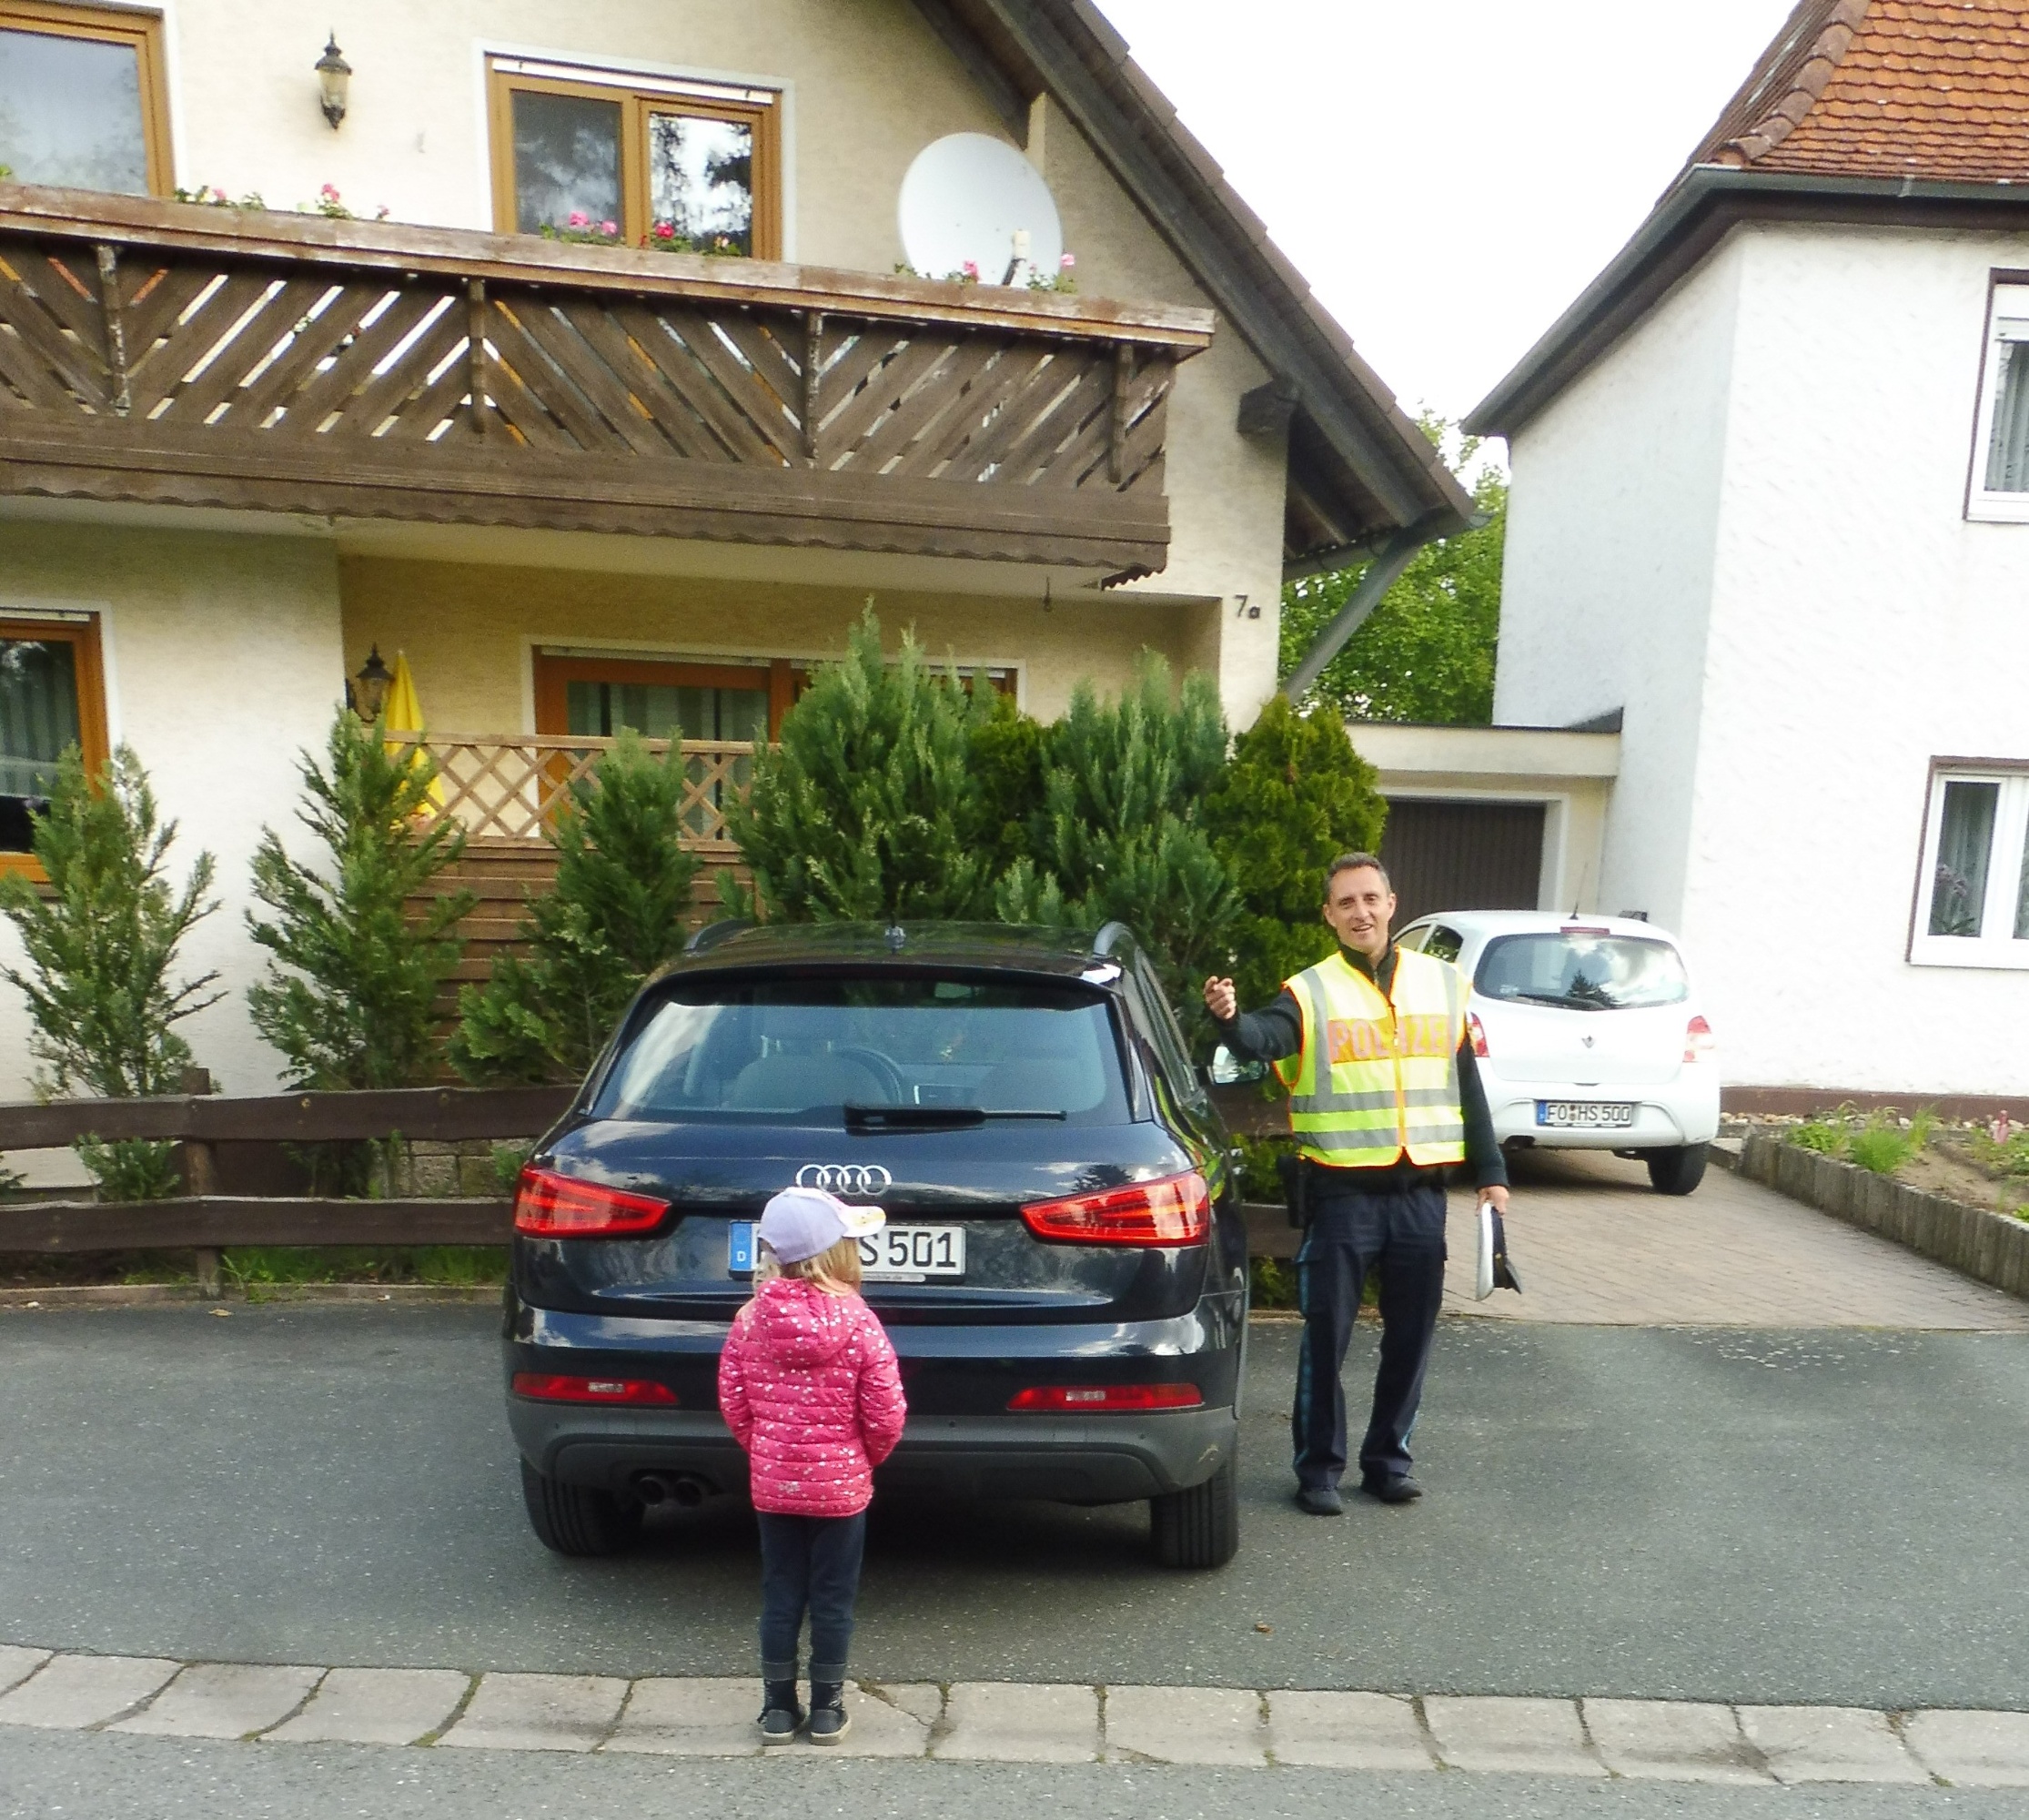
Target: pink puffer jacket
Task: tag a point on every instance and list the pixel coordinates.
(810, 1388)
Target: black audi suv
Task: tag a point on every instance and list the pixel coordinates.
(1064, 1269)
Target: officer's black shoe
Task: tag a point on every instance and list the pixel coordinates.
(1391, 1488)
(1320, 1501)
(781, 1716)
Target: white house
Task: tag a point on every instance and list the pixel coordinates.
(1770, 506)
(578, 477)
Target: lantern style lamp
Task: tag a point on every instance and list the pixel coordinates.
(374, 681)
(334, 77)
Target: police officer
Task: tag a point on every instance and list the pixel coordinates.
(1384, 1097)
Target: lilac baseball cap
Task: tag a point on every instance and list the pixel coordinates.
(799, 1223)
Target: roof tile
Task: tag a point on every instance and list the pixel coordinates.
(1932, 88)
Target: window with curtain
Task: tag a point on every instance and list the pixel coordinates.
(636, 159)
(81, 98)
(49, 701)
(1973, 896)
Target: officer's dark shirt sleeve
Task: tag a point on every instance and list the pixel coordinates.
(1483, 1158)
(1266, 1035)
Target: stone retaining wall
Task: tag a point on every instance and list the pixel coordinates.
(1992, 1246)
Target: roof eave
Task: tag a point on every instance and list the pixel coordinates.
(1085, 66)
(1692, 218)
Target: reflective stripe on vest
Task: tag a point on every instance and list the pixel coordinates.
(1377, 1076)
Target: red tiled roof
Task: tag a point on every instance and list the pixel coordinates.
(1925, 89)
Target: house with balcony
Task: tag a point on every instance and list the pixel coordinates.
(566, 352)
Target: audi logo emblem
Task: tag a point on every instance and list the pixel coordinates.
(845, 1179)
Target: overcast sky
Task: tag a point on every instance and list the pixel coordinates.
(1448, 174)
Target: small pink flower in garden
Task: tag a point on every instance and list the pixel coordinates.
(579, 219)
(217, 195)
(665, 231)
(971, 269)
(609, 227)
(1068, 260)
(330, 192)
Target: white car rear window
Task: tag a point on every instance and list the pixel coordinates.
(1582, 971)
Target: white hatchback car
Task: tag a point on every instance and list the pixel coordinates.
(1587, 1032)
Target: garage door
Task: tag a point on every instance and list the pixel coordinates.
(1450, 856)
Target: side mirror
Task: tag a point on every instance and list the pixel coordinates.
(1227, 1069)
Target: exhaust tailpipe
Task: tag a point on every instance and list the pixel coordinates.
(684, 1489)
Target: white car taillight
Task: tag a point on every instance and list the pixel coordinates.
(1477, 1032)
(1700, 1045)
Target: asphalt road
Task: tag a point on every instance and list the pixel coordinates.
(1828, 1516)
(53, 1775)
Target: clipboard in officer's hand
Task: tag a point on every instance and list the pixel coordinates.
(1495, 1271)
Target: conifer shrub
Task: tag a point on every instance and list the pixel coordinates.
(1295, 795)
(871, 807)
(101, 957)
(617, 914)
(1119, 836)
(350, 997)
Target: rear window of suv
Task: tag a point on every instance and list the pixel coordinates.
(751, 1050)
(1582, 971)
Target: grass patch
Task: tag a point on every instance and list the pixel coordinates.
(1880, 1143)
(253, 1267)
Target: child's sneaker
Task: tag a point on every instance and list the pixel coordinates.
(781, 1716)
(828, 1719)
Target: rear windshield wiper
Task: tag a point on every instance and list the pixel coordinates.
(929, 1118)
(1566, 1000)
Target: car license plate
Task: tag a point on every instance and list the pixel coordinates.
(1573, 1113)
(907, 1253)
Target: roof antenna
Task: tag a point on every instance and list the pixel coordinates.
(1580, 897)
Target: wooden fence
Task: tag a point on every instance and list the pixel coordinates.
(204, 1220)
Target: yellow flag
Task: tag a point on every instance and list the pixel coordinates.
(403, 713)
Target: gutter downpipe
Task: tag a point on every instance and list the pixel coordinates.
(1385, 571)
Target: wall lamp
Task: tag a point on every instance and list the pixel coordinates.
(334, 77)
(371, 695)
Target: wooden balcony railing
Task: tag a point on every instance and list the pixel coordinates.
(506, 787)
(172, 353)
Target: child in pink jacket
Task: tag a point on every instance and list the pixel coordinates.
(809, 1387)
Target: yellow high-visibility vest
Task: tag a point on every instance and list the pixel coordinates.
(1377, 1076)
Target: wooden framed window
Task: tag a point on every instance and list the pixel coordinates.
(51, 696)
(83, 102)
(648, 160)
(594, 697)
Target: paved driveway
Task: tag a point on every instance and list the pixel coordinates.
(1595, 1244)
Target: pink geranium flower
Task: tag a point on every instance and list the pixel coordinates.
(971, 269)
(1067, 261)
(609, 227)
(579, 219)
(665, 231)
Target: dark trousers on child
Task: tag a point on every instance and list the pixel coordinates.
(808, 1564)
(1397, 1228)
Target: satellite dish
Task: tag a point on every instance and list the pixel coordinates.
(972, 199)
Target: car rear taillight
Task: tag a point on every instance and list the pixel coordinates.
(1477, 1032)
(1698, 1041)
(550, 1205)
(544, 1388)
(1172, 1210)
(1057, 1399)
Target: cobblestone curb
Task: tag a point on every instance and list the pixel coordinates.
(1007, 1721)
(1989, 1247)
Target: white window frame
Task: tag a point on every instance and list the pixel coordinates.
(2007, 320)
(1996, 944)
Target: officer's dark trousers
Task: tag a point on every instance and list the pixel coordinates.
(1397, 1231)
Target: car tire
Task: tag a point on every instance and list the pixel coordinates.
(1677, 1171)
(1199, 1528)
(578, 1519)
